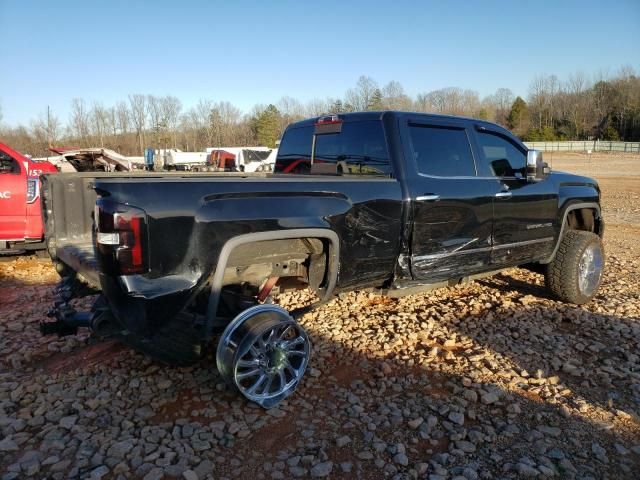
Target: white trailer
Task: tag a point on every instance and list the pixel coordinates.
(251, 159)
(176, 159)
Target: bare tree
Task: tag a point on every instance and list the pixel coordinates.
(99, 119)
(422, 103)
(501, 101)
(316, 107)
(171, 108)
(205, 127)
(79, 122)
(291, 110)
(138, 113)
(360, 96)
(46, 130)
(537, 97)
(123, 117)
(577, 103)
(607, 107)
(394, 98)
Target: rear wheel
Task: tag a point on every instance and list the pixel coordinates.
(575, 273)
(264, 353)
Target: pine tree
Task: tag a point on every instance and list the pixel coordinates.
(518, 119)
(266, 126)
(337, 107)
(376, 100)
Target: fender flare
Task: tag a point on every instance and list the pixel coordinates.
(232, 243)
(574, 206)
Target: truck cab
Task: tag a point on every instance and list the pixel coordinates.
(20, 217)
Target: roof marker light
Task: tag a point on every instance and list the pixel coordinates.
(328, 120)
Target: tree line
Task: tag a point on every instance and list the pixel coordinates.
(576, 108)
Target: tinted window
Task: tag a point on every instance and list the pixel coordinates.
(503, 157)
(8, 164)
(442, 151)
(358, 149)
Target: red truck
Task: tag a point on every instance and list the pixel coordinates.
(20, 217)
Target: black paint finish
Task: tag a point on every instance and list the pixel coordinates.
(386, 234)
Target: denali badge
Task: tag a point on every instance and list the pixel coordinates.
(538, 225)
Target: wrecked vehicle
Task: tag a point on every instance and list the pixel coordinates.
(96, 160)
(392, 201)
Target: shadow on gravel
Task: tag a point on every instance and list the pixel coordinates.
(446, 423)
(397, 389)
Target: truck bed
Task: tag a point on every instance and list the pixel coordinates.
(69, 201)
(69, 233)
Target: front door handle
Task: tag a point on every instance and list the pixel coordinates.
(428, 198)
(504, 195)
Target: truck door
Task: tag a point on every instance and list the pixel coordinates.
(524, 212)
(13, 200)
(451, 207)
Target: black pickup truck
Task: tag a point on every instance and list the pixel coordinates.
(393, 201)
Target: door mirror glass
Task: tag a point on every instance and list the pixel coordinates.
(537, 169)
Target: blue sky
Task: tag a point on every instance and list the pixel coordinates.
(249, 52)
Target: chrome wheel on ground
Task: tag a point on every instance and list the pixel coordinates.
(264, 353)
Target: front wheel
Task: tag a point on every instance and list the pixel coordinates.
(575, 273)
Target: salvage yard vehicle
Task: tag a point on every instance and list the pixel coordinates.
(392, 201)
(20, 212)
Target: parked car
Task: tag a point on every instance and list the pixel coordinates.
(392, 201)
(20, 212)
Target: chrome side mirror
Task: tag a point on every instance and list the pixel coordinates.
(537, 169)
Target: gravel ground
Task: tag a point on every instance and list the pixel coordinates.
(491, 379)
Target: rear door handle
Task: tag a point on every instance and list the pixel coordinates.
(428, 198)
(504, 195)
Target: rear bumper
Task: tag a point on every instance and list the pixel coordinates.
(140, 315)
(16, 246)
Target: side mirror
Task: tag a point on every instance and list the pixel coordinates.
(537, 169)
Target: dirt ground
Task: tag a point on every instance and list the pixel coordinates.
(493, 379)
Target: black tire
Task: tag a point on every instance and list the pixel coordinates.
(562, 275)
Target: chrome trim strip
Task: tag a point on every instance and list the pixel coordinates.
(427, 198)
(503, 195)
(525, 242)
(436, 256)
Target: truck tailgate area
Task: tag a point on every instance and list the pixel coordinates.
(68, 206)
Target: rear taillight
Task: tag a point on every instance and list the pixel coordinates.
(33, 189)
(121, 236)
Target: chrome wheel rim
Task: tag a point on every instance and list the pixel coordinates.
(264, 353)
(273, 365)
(590, 270)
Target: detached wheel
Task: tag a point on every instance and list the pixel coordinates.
(264, 352)
(575, 273)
